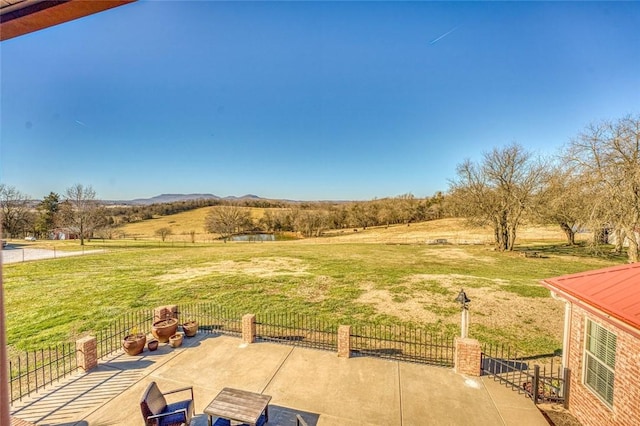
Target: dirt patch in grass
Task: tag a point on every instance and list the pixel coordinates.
(259, 267)
(385, 302)
(430, 298)
(453, 253)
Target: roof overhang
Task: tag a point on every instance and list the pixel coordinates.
(612, 294)
(19, 17)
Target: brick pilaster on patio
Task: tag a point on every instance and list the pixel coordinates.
(165, 312)
(344, 341)
(468, 356)
(87, 353)
(248, 328)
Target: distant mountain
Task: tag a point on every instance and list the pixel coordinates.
(170, 198)
(244, 197)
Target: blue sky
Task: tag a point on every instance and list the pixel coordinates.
(305, 100)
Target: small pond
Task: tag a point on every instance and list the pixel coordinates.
(254, 237)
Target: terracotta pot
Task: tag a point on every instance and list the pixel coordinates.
(152, 344)
(133, 344)
(176, 340)
(190, 328)
(164, 329)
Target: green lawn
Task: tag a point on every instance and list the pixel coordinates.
(57, 300)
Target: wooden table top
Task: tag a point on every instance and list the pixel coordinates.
(236, 404)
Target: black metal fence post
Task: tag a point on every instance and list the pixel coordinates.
(535, 384)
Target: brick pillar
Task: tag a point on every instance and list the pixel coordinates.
(249, 328)
(165, 312)
(468, 356)
(87, 353)
(344, 341)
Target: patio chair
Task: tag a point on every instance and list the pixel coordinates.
(156, 411)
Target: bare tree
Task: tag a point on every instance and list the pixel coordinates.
(15, 210)
(227, 220)
(82, 213)
(498, 191)
(163, 233)
(607, 156)
(311, 222)
(562, 201)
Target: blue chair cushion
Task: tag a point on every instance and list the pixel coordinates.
(177, 418)
(222, 422)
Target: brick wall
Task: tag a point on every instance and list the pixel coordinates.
(583, 403)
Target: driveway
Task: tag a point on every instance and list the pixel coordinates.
(13, 254)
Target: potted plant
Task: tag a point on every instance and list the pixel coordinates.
(190, 327)
(176, 340)
(133, 343)
(164, 329)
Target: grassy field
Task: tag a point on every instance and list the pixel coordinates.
(181, 225)
(337, 279)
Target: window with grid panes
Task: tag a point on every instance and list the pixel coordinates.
(600, 361)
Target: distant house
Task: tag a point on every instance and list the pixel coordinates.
(612, 238)
(602, 343)
(63, 234)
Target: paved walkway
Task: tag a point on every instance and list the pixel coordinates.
(324, 389)
(13, 254)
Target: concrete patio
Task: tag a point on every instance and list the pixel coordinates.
(323, 388)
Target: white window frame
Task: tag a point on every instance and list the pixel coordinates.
(603, 365)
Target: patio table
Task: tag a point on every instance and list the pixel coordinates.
(238, 405)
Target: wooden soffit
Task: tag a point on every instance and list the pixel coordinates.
(19, 17)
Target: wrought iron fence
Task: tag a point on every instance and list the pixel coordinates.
(403, 343)
(298, 330)
(544, 381)
(34, 370)
(110, 338)
(212, 318)
(31, 371)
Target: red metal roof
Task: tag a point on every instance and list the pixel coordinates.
(614, 290)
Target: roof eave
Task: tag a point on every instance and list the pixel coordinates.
(33, 15)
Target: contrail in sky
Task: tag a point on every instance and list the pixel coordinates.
(443, 35)
(81, 123)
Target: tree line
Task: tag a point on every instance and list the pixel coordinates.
(311, 219)
(81, 214)
(592, 184)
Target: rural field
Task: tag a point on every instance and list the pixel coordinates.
(385, 276)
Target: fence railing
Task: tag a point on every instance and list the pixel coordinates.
(213, 318)
(34, 370)
(298, 330)
(110, 338)
(404, 344)
(541, 378)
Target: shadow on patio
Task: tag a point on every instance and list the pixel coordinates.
(323, 388)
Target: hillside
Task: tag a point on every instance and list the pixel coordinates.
(181, 224)
(451, 231)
